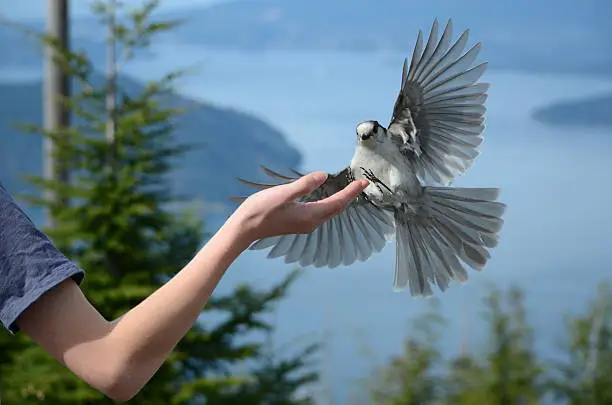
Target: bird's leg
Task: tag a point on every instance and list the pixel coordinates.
(368, 174)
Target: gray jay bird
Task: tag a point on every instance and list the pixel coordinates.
(434, 136)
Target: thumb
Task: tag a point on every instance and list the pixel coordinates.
(306, 184)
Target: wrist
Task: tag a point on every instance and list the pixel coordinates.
(223, 248)
(237, 233)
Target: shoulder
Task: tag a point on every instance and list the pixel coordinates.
(30, 264)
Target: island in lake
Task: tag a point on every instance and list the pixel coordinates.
(587, 112)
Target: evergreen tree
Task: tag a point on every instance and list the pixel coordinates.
(506, 373)
(126, 228)
(413, 377)
(509, 372)
(512, 363)
(584, 377)
(466, 382)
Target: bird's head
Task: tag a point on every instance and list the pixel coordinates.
(368, 132)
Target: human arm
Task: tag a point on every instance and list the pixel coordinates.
(118, 357)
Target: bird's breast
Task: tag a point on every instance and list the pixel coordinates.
(370, 159)
(388, 165)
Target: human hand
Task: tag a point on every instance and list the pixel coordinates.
(275, 211)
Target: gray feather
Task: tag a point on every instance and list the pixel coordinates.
(440, 96)
(460, 226)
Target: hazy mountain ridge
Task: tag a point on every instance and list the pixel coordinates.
(542, 36)
(586, 112)
(232, 144)
(536, 36)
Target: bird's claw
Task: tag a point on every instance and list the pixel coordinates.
(369, 175)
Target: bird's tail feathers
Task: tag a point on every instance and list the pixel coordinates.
(454, 225)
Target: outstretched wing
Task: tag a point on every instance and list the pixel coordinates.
(439, 94)
(355, 234)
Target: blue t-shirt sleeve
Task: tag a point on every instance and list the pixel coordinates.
(30, 264)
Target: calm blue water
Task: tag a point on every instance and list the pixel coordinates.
(556, 238)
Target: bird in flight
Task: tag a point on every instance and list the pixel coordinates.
(434, 136)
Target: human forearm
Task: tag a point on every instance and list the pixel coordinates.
(148, 333)
(119, 357)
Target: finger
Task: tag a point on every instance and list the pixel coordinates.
(305, 185)
(337, 202)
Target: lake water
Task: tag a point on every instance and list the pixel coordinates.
(555, 241)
